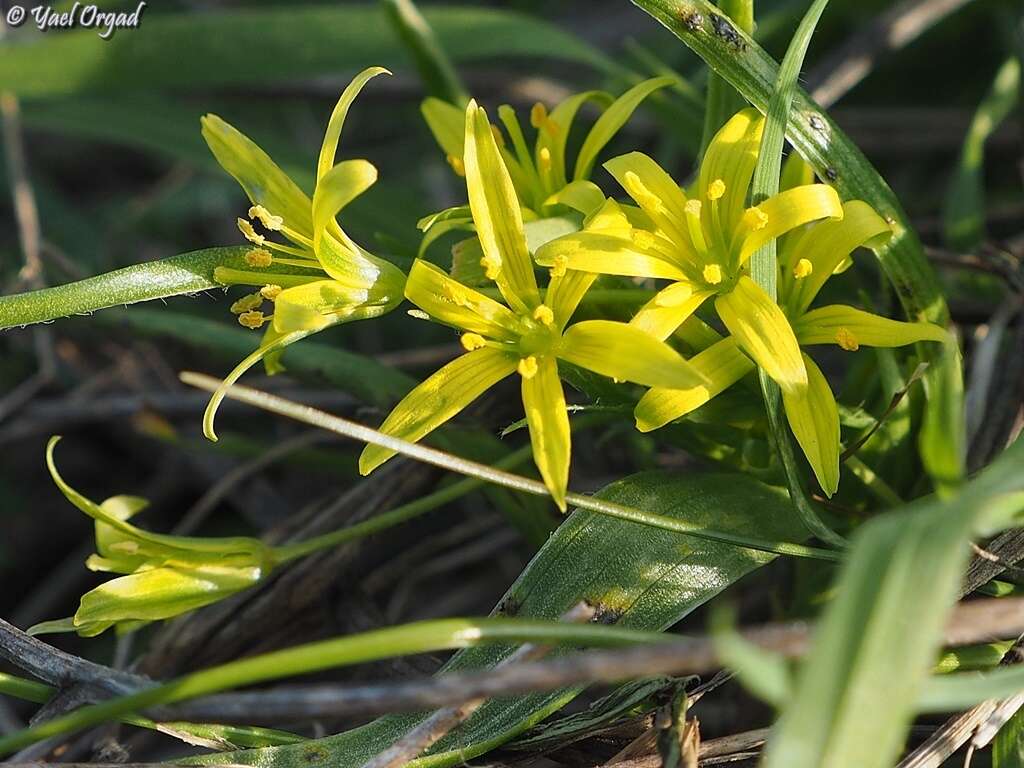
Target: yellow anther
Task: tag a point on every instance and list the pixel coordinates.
(270, 292)
(639, 192)
(527, 367)
(457, 165)
(713, 274)
(803, 269)
(716, 189)
(559, 266)
(491, 268)
(756, 218)
(692, 207)
(258, 257)
(266, 218)
(543, 314)
(498, 138)
(472, 341)
(247, 303)
(846, 340)
(253, 319)
(544, 157)
(250, 234)
(538, 115)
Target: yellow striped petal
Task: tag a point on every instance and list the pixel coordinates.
(612, 120)
(825, 246)
(447, 123)
(451, 302)
(730, 158)
(438, 399)
(548, 420)
(496, 213)
(722, 364)
(332, 135)
(814, 419)
(339, 186)
(763, 332)
(606, 255)
(626, 353)
(654, 190)
(789, 210)
(583, 196)
(564, 294)
(553, 134)
(669, 309)
(851, 328)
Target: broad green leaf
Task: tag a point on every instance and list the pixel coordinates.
(1008, 746)
(268, 45)
(857, 689)
(637, 576)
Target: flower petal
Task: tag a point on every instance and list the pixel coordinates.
(730, 157)
(627, 353)
(669, 309)
(448, 124)
(763, 332)
(825, 246)
(338, 187)
(548, 420)
(850, 327)
(332, 135)
(451, 302)
(553, 134)
(565, 292)
(606, 255)
(814, 418)
(263, 181)
(655, 191)
(496, 213)
(583, 196)
(722, 364)
(438, 399)
(789, 210)
(612, 120)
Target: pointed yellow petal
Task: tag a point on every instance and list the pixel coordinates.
(583, 196)
(814, 419)
(612, 120)
(448, 123)
(722, 364)
(763, 332)
(564, 294)
(789, 210)
(730, 158)
(548, 420)
(553, 134)
(626, 353)
(339, 186)
(606, 255)
(669, 309)
(496, 213)
(451, 302)
(332, 135)
(825, 246)
(850, 328)
(438, 399)
(655, 191)
(263, 181)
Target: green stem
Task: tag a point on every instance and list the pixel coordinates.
(395, 516)
(435, 68)
(873, 482)
(453, 463)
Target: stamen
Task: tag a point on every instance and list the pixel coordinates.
(457, 165)
(639, 192)
(713, 274)
(266, 218)
(755, 218)
(472, 341)
(258, 257)
(250, 234)
(247, 303)
(559, 266)
(544, 158)
(544, 315)
(538, 114)
(694, 226)
(254, 319)
(527, 367)
(716, 189)
(270, 292)
(846, 339)
(803, 269)
(491, 268)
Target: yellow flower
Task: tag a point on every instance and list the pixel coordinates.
(807, 259)
(702, 244)
(526, 333)
(541, 177)
(320, 276)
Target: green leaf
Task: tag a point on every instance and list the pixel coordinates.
(859, 686)
(637, 576)
(722, 100)
(268, 45)
(1008, 746)
(436, 70)
(943, 438)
